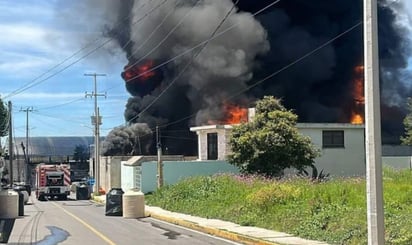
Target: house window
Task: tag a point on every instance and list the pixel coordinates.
(212, 146)
(333, 139)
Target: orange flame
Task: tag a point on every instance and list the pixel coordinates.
(142, 72)
(235, 114)
(356, 119)
(358, 95)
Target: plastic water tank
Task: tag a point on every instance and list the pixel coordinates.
(9, 203)
(114, 206)
(133, 204)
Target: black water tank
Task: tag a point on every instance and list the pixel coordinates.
(82, 192)
(114, 204)
(21, 202)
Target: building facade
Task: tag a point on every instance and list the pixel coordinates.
(342, 145)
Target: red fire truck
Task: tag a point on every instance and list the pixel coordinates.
(52, 180)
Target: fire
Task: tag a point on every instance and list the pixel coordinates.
(142, 72)
(358, 90)
(358, 96)
(232, 115)
(356, 119)
(235, 114)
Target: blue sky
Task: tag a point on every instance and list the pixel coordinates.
(35, 36)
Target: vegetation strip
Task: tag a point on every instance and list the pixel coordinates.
(329, 209)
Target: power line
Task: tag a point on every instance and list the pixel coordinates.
(187, 64)
(34, 83)
(278, 71)
(164, 39)
(62, 104)
(200, 44)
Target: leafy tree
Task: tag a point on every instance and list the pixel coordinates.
(407, 122)
(4, 119)
(270, 143)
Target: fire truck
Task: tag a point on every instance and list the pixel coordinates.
(52, 181)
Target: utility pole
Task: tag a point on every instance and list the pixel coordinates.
(10, 144)
(26, 154)
(96, 121)
(159, 159)
(373, 143)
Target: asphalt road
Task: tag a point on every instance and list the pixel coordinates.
(84, 222)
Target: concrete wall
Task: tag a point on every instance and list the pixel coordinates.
(110, 171)
(397, 162)
(347, 161)
(222, 131)
(176, 171)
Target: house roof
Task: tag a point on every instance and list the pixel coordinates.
(207, 127)
(299, 125)
(329, 125)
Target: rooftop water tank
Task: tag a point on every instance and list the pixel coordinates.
(133, 204)
(9, 203)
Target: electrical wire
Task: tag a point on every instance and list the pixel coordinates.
(62, 104)
(187, 64)
(152, 33)
(34, 83)
(199, 44)
(164, 39)
(278, 71)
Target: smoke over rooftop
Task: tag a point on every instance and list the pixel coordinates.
(319, 88)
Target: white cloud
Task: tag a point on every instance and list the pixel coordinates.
(403, 15)
(17, 64)
(41, 9)
(23, 35)
(35, 37)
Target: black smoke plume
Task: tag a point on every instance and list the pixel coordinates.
(134, 139)
(319, 88)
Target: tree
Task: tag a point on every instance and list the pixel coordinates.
(4, 119)
(407, 122)
(270, 143)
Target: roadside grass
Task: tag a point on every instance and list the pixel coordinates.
(333, 211)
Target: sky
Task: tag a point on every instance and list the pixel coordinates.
(35, 37)
(39, 46)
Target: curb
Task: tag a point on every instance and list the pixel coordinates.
(211, 231)
(208, 230)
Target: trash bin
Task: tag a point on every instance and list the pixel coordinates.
(82, 192)
(21, 201)
(114, 204)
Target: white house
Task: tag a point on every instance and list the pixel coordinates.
(212, 141)
(342, 145)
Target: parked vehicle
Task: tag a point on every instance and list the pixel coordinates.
(52, 181)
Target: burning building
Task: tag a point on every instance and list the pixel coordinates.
(177, 79)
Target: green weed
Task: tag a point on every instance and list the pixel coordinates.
(333, 211)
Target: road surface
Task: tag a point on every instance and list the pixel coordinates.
(84, 222)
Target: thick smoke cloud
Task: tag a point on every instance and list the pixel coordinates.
(134, 139)
(221, 69)
(319, 88)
